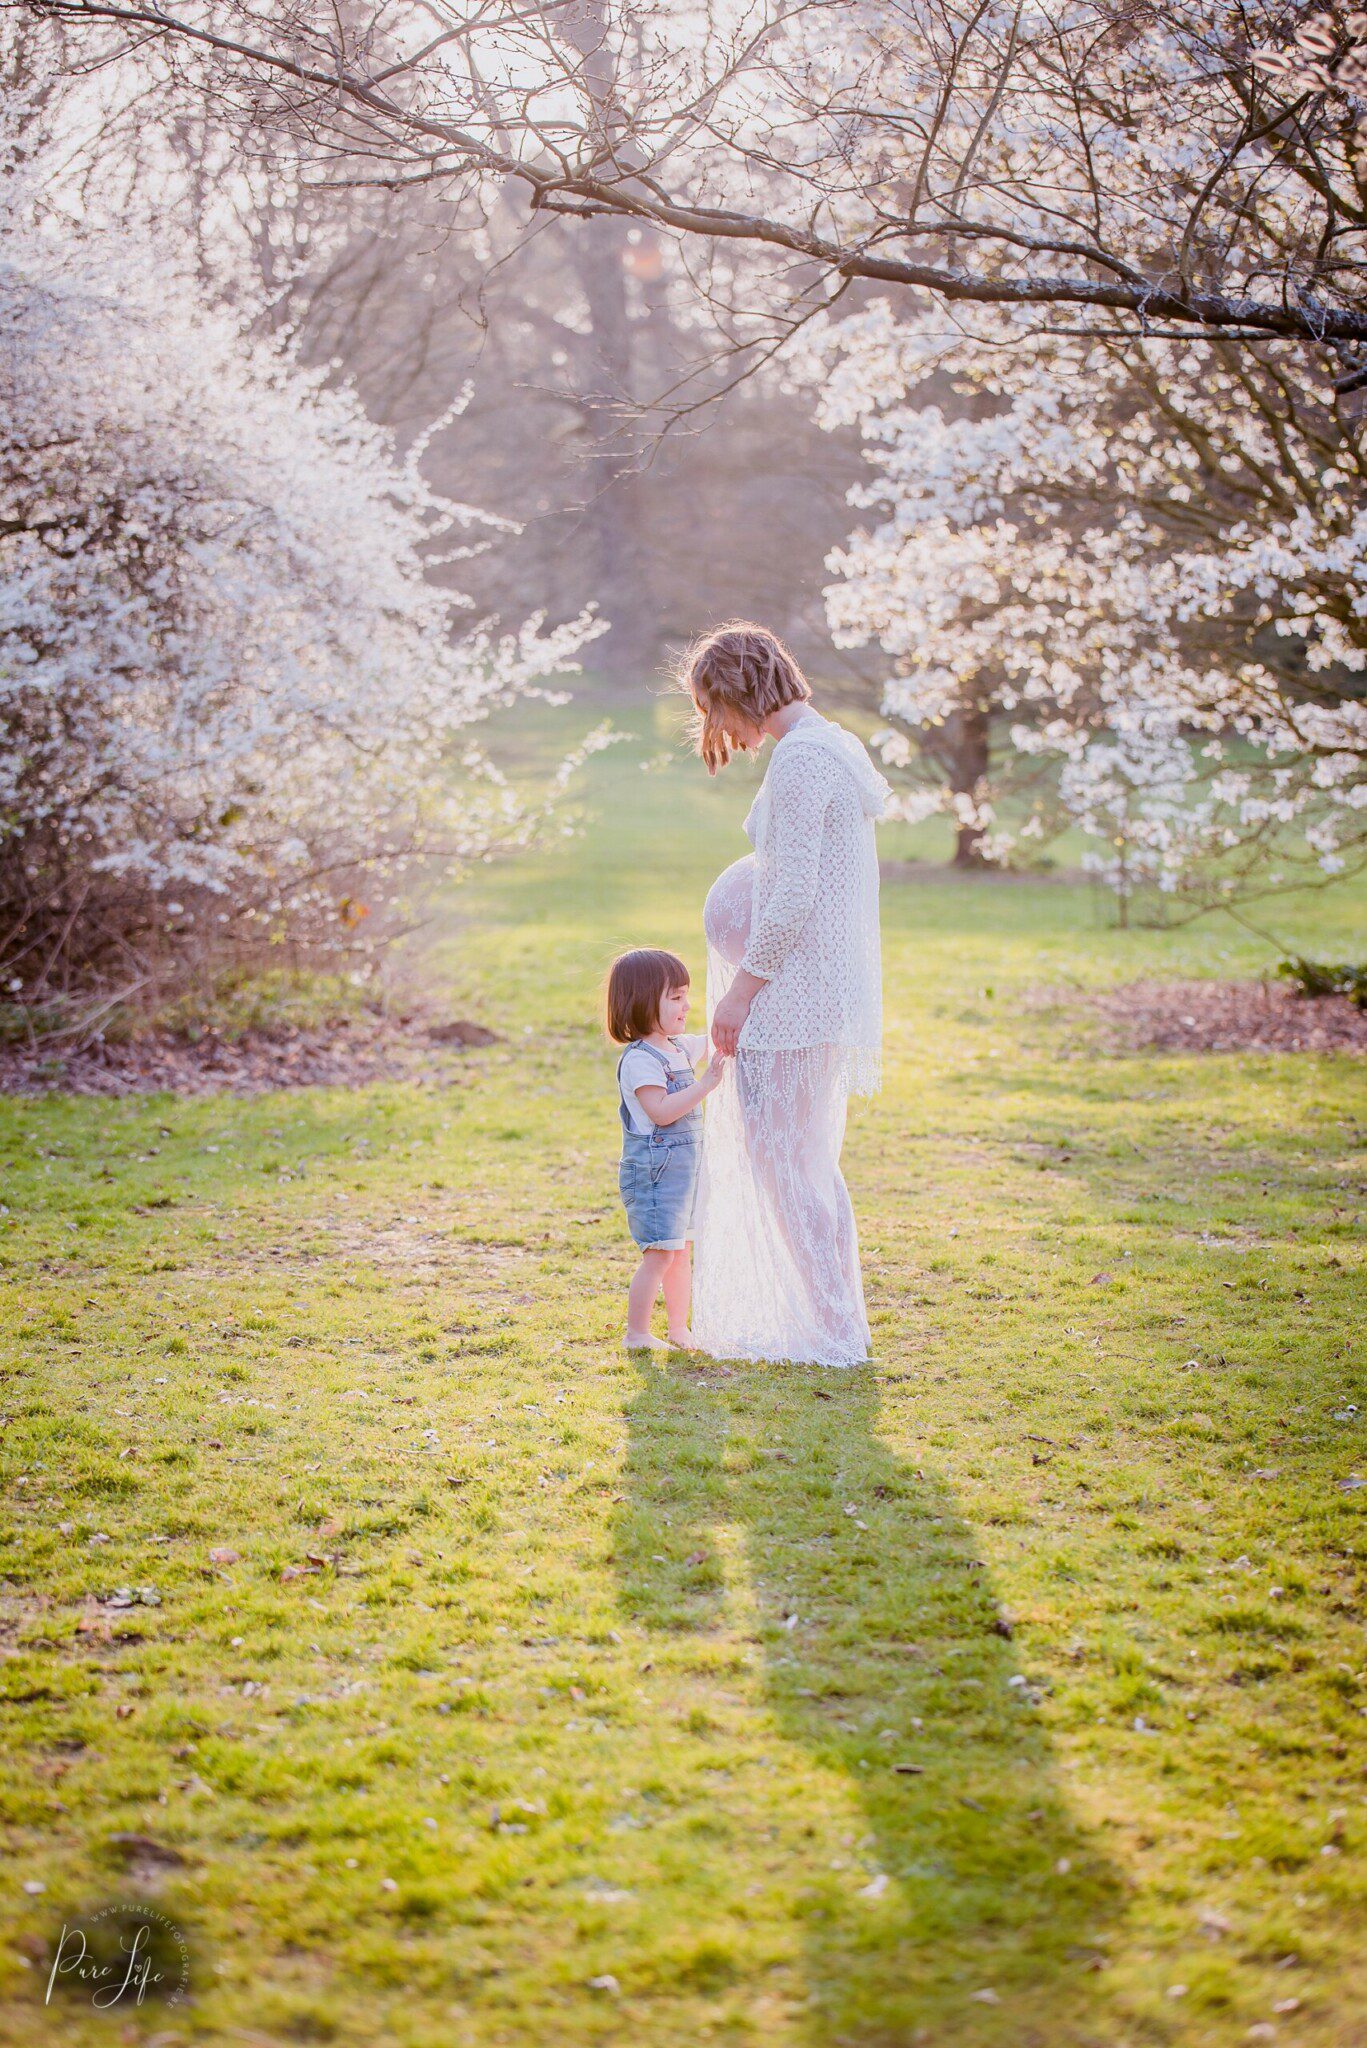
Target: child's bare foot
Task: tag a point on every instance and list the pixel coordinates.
(682, 1340)
(641, 1340)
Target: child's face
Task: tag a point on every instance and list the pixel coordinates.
(674, 1011)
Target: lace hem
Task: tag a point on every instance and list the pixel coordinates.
(852, 1069)
(777, 1250)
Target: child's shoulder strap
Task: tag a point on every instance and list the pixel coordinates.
(639, 1045)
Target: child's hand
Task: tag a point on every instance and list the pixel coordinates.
(714, 1071)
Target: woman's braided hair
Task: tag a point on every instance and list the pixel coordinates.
(736, 674)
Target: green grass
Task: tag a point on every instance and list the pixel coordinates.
(614, 1666)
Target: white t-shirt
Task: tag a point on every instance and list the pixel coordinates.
(641, 1069)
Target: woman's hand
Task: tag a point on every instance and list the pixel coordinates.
(728, 1019)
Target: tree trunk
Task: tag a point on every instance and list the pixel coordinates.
(963, 745)
(613, 494)
(614, 500)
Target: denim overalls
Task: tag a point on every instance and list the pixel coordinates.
(659, 1171)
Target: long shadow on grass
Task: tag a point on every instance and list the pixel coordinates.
(884, 1658)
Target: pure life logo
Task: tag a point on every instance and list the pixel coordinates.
(118, 1957)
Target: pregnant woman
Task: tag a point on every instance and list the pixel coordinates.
(794, 991)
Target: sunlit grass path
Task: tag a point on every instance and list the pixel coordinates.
(1010, 1692)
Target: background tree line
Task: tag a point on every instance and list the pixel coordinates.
(634, 294)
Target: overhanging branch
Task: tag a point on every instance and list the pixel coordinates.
(430, 147)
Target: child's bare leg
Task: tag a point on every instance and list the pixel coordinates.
(678, 1289)
(645, 1285)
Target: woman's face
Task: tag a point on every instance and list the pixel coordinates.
(742, 732)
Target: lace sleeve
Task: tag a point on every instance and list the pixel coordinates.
(801, 784)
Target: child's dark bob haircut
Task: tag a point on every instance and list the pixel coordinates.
(637, 984)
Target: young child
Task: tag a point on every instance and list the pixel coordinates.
(660, 1105)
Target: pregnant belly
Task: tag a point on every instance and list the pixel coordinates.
(726, 913)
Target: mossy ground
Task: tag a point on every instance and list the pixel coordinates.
(692, 1679)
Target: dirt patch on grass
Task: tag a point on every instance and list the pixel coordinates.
(1227, 1016)
(346, 1053)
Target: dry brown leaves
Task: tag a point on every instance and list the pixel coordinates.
(346, 1054)
(1227, 1016)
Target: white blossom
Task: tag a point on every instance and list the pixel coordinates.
(1107, 546)
(235, 676)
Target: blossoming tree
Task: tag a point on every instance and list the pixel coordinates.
(1128, 243)
(1094, 159)
(236, 676)
(1103, 551)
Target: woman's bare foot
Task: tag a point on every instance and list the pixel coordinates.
(641, 1340)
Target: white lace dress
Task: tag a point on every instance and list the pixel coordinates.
(777, 1254)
